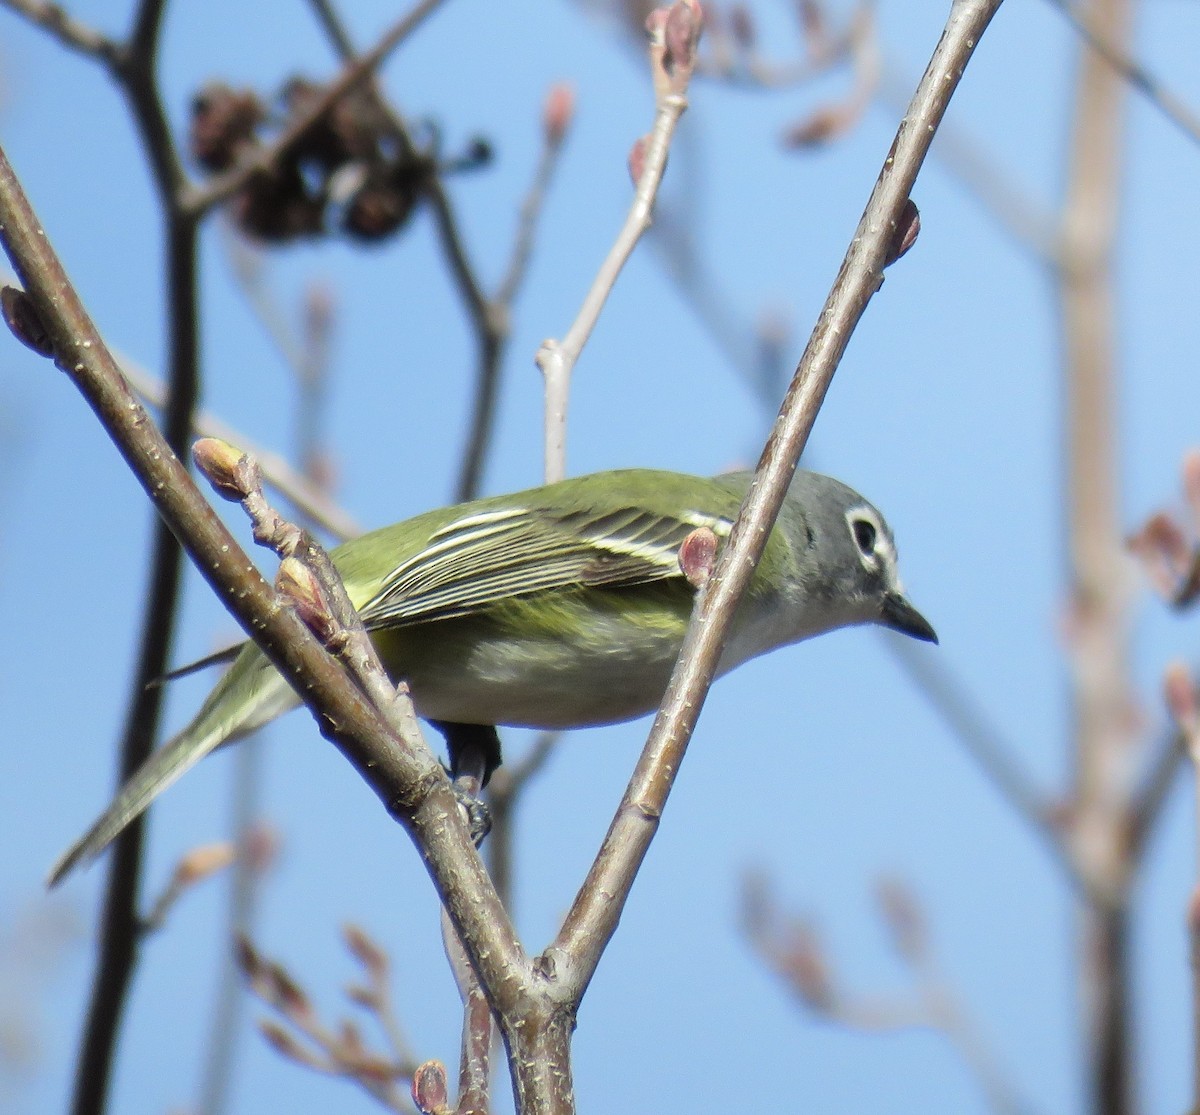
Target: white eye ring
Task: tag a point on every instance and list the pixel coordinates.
(867, 534)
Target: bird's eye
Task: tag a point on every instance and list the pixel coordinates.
(864, 535)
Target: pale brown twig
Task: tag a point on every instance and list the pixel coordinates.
(305, 496)
(68, 30)
(1098, 35)
(489, 315)
(792, 949)
(495, 314)
(1180, 693)
(734, 56)
(503, 794)
(407, 778)
(339, 1052)
(557, 358)
(597, 908)
(1100, 589)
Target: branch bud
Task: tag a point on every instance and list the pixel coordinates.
(366, 951)
(558, 110)
(823, 124)
(200, 863)
(637, 159)
(231, 472)
(302, 590)
(741, 26)
(681, 37)
(429, 1089)
(697, 556)
(22, 318)
(904, 918)
(1191, 482)
(905, 235)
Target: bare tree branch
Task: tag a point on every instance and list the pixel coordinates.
(1098, 35)
(597, 908)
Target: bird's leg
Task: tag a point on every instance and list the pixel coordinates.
(474, 751)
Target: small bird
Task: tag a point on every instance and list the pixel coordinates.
(559, 607)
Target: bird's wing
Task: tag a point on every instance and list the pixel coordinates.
(488, 556)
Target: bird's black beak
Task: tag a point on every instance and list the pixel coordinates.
(900, 615)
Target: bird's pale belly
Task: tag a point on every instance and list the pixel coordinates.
(565, 672)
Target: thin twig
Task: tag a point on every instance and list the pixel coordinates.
(1180, 693)
(597, 908)
(982, 741)
(306, 497)
(1151, 795)
(493, 325)
(988, 180)
(557, 358)
(69, 31)
(489, 316)
(405, 775)
(1104, 43)
(503, 793)
(474, 1072)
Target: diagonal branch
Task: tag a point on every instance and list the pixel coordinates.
(593, 916)
(404, 774)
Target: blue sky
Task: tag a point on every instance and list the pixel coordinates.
(819, 766)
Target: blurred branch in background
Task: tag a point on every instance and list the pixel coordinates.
(489, 316)
(1094, 28)
(672, 48)
(132, 65)
(791, 947)
(1104, 732)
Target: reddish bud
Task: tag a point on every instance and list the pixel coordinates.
(681, 35)
(558, 110)
(282, 1041)
(350, 1041)
(260, 847)
(22, 318)
(319, 306)
(824, 123)
(302, 589)
(1164, 552)
(1180, 696)
(1191, 482)
(697, 556)
(637, 159)
(905, 235)
(429, 1089)
(812, 19)
(366, 951)
(903, 915)
(232, 473)
(271, 982)
(364, 997)
(200, 863)
(1193, 912)
(805, 966)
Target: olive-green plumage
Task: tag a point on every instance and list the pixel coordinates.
(558, 607)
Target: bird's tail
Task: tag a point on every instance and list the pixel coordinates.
(250, 694)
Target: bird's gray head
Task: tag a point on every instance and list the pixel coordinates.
(851, 556)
